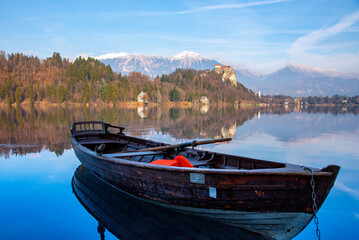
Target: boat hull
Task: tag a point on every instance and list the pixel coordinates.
(278, 225)
(111, 205)
(230, 190)
(129, 217)
(247, 193)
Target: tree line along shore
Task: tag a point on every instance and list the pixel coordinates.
(27, 79)
(56, 80)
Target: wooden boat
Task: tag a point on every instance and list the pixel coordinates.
(128, 217)
(273, 200)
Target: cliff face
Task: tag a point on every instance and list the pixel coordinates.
(227, 73)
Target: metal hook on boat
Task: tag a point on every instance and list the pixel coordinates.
(100, 149)
(193, 144)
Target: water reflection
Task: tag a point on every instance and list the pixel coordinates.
(31, 129)
(204, 109)
(128, 217)
(314, 136)
(142, 111)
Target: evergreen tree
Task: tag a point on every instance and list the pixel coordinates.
(215, 98)
(56, 59)
(174, 95)
(136, 92)
(50, 92)
(18, 93)
(61, 93)
(9, 85)
(86, 94)
(2, 91)
(31, 94)
(39, 94)
(114, 95)
(101, 87)
(109, 73)
(107, 93)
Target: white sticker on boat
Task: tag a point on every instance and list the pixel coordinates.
(197, 178)
(213, 192)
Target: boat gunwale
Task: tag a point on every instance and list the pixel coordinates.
(289, 169)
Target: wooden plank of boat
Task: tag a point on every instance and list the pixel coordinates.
(129, 154)
(187, 144)
(128, 217)
(227, 184)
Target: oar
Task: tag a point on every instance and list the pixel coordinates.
(182, 145)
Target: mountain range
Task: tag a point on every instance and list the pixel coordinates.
(156, 65)
(293, 80)
(296, 82)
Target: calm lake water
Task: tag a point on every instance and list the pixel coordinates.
(37, 162)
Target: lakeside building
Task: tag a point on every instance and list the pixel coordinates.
(142, 97)
(204, 100)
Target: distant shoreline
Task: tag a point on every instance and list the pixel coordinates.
(181, 104)
(26, 102)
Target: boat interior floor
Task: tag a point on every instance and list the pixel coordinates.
(125, 147)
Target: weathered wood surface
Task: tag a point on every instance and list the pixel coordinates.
(236, 191)
(182, 145)
(128, 217)
(237, 183)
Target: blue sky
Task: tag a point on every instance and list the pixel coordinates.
(261, 35)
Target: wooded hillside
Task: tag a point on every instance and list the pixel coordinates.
(56, 79)
(190, 85)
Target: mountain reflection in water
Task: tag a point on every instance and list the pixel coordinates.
(36, 186)
(128, 217)
(32, 129)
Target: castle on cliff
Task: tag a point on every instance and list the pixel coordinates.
(218, 66)
(227, 73)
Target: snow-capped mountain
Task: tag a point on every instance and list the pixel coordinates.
(156, 65)
(293, 80)
(111, 56)
(187, 55)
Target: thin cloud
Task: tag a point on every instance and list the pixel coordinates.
(239, 5)
(311, 40)
(111, 55)
(32, 52)
(213, 7)
(83, 55)
(325, 71)
(353, 192)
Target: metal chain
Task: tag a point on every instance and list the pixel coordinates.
(314, 198)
